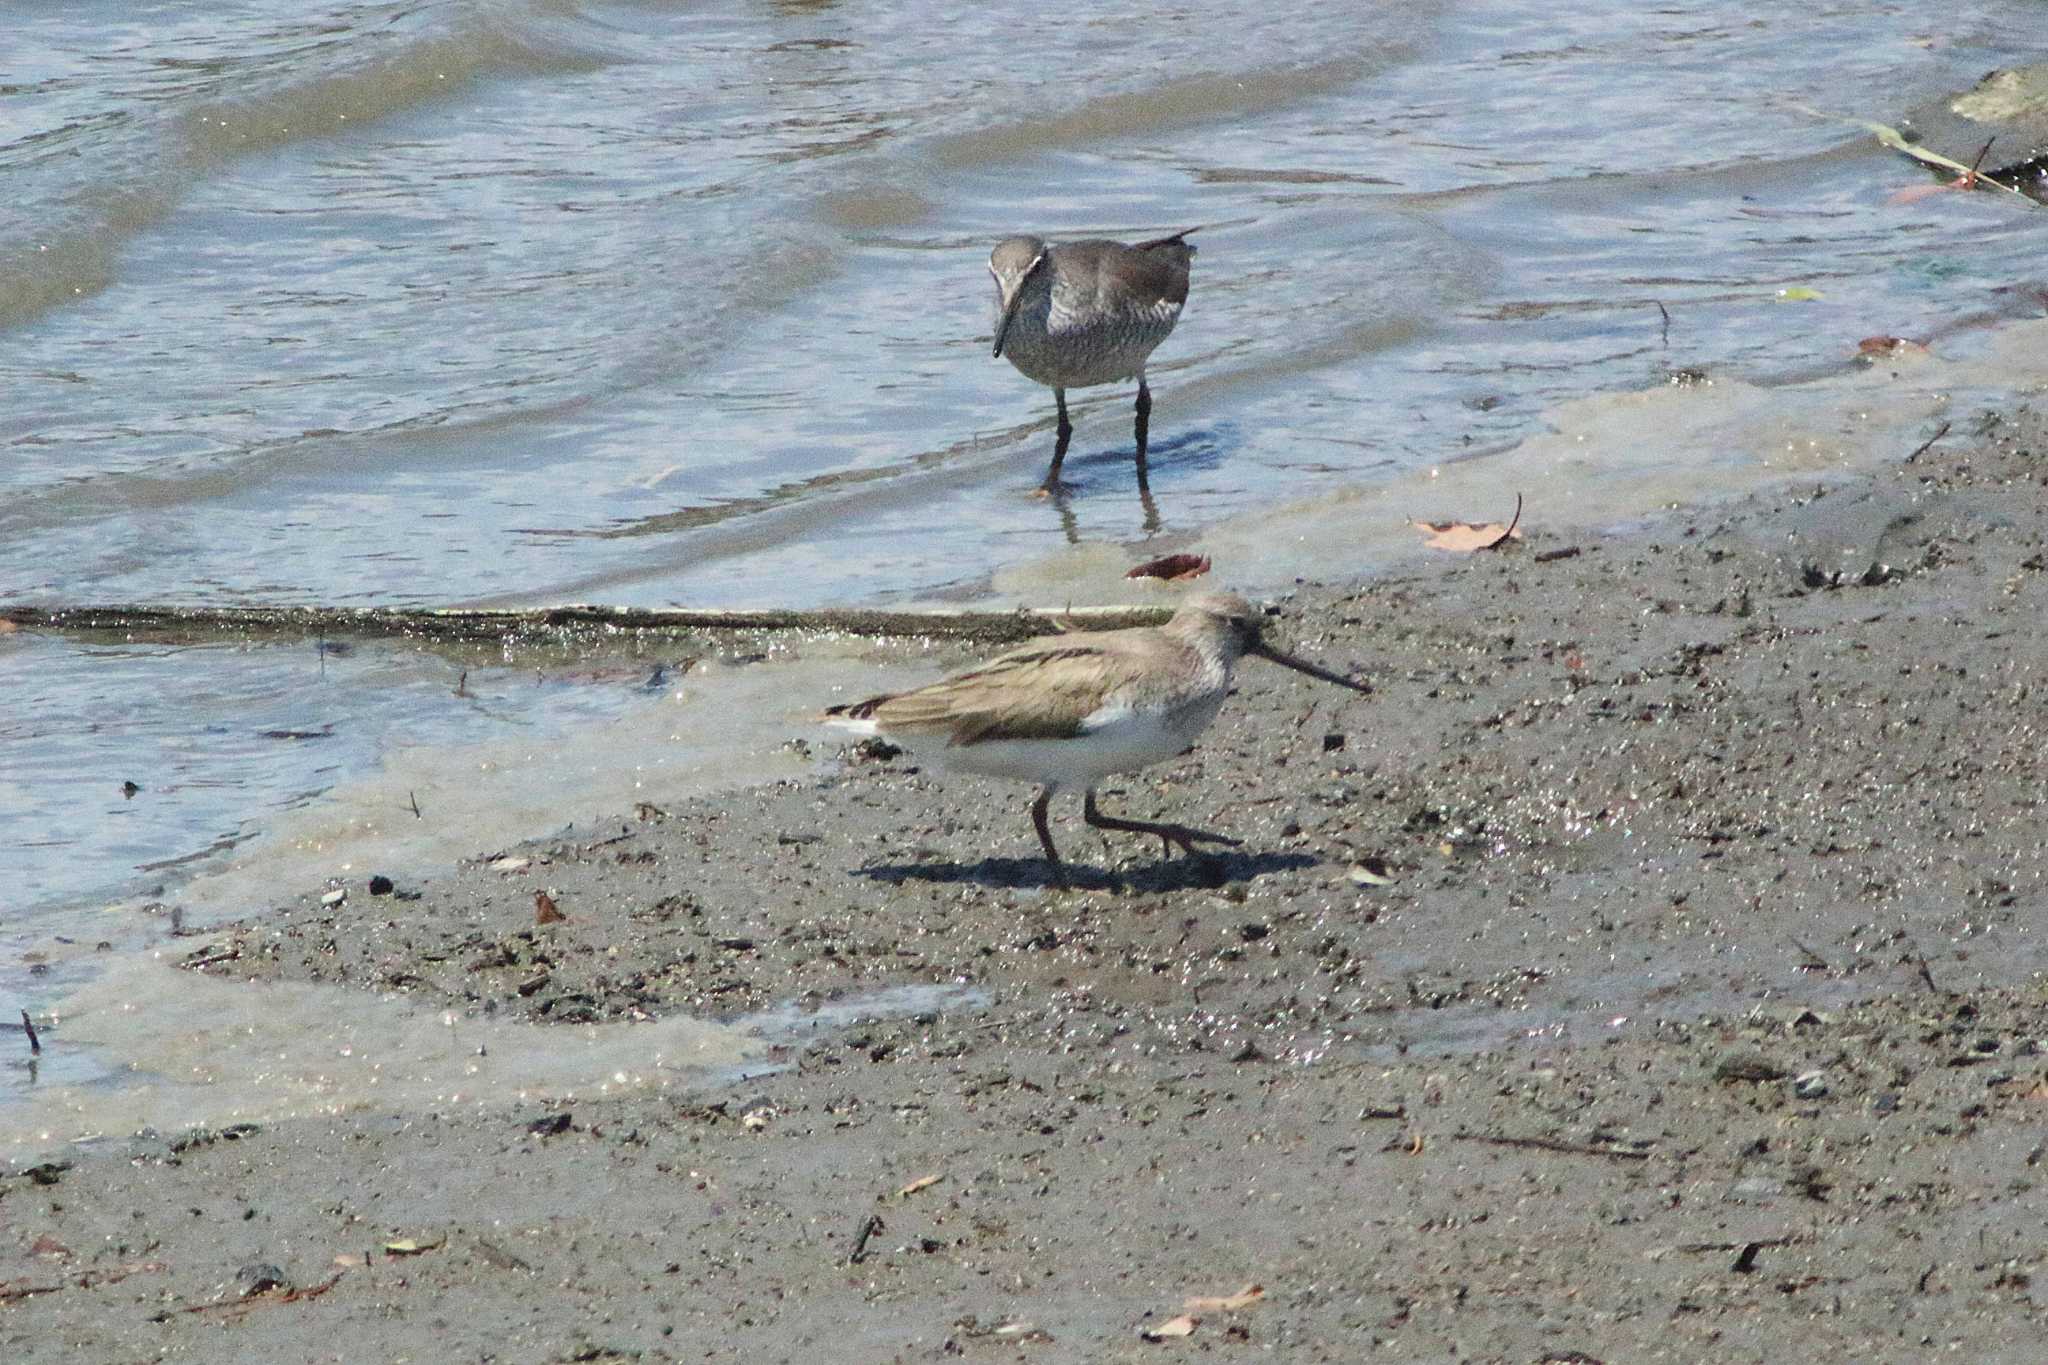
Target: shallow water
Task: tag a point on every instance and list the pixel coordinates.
(645, 304)
(145, 1045)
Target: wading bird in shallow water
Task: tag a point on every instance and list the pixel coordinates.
(1081, 313)
(1071, 710)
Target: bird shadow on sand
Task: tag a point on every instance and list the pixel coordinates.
(1205, 871)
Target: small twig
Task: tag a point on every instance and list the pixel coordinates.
(1926, 973)
(1813, 960)
(1894, 139)
(1553, 1145)
(1508, 534)
(415, 802)
(1552, 556)
(1700, 1248)
(1928, 444)
(35, 1044)
(868, 1229)
(230, 955)
(618, 838)
(91, 1279)
(1663, 336)
(255, 1301)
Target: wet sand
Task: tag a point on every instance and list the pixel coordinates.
(1649, 970)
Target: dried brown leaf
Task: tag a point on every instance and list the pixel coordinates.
(1182, 1326)
(1881, 346)
(1365, 874)
(1172, 568)
(411, 1246)
(1467, 536)
(1461, 536)
(1227, 1303)
(544, 910)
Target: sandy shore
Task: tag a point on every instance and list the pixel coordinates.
(1650, 970)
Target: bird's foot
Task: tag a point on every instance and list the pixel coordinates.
(1182, 837)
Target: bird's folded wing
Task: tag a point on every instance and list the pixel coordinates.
(1040, 692)
(1156, 275)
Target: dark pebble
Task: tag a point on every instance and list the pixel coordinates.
(259, 1277)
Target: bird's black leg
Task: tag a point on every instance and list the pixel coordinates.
(1145, 483)
(1180, 836)
(1144, 422)
(1052, 855)
(1059, 448)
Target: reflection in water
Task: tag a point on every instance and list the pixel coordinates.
(1061, 496)
(1152, 523)
(1202, 448)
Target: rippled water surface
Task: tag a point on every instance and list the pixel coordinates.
(514, 303)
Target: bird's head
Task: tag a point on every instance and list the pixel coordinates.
(1014, 261)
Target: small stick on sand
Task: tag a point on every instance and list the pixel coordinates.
(35, 1044)
(1927, 973)
(1814, 961)
(1507, 535)
(1553, 1145)
(1928, 444)
(868, 1229)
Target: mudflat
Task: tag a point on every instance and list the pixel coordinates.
(1651, 969)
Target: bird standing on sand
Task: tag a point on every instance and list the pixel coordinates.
(1070, 710)
(1082, 313)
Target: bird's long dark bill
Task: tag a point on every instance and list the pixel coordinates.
(1009, 315)
(1004, 326)
(1304, 666)
(1010, 308)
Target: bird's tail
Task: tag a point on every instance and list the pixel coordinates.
(1175, 239)
(857, 716)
